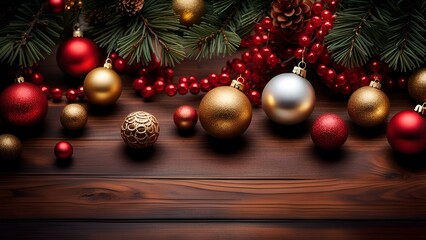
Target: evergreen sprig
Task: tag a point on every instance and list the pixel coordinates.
(30, 36)
(220, 33)
(153, 31)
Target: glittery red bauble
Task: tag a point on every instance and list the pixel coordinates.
(77, 56)
(63, 150)
(56, 6)
(23, 104)
(185, 117)
(406, 132)
(329, 131)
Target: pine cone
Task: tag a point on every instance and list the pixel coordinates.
(291, 14)
(130, 7)
(97, 16)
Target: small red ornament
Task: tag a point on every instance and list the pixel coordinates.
(185, 117)
(56, 6)
(63, 150)
(406, 132)
(329, 131)
(23, 104)
(77, 56)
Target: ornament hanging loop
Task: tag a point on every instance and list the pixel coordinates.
(238, 83)
(108, 63)
(77, 31)
(300, 69)
(421, 108)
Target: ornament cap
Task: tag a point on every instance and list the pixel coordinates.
(108, 63)
(375, 84)
(77, 31)
(300, 69)
(19, 79)
(238, 83)
(421, 108)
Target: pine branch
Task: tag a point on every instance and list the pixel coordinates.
(220, 33)
(152, 31)
(405, 48)
(29, 37)
(358, 33)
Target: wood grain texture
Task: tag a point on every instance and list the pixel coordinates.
(116, 198)
(213, 230)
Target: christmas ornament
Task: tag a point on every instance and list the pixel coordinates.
(78, 55)
(23, 104)
(225, 111)
(185, 117)
(368, 106)
(289, 98)
(291, 14)
(102, 85)
(56, 6)
(74, 117)
(329, 131)
(63, 150)
(130, 7)
(10, 147)
(417, 85)
(406, 131)
(189, 11)
(140, 130)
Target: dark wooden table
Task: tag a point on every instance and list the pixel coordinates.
(271, 183)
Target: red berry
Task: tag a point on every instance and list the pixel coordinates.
(390, 83)
(326, 15)
(272, 61)
(159, 86)
(265, 38)
(246, 57)
(299, 53)
(326, 26)
(266, 23)
(332, 5)
(288, 53)
(171, 90)
(257, 58)
(254, 97)
(143, 71)
(224, 79)
(374, 65)
(147, 92)
(325, 58)
(239, 68)
(194, 88)
(71, 95)
(316, 21)
(311, 58)
(317, 8)
(80, 92)
(265, 51)
(322, 69)
(192, 79)
(168, 73)
(341, 79)
(56, 94)
(37, 78)
(309, 28)
(182, 88)
(120, 64)
(183, 79)
(205, 85)
(304, 41)
(320, 34)
(317, 48)
(213, 79)
(346, 89)
(330, 74)
(364, 81)
(45, 89)
(258, 29)
(254, 50)
(402, 82)
(139, 83)
(113, 56)
(257, 40)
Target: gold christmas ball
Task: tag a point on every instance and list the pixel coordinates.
(189, 11)
(74, 117)
(102, 86)
(417, 85)
(368, 106)
(140, 130)
(10, 147)
(225, 112)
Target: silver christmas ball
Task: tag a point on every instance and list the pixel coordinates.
(288, 99)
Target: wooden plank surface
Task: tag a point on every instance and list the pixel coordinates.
(269, 183)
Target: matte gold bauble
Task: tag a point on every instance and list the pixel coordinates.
(10, 147)
(140, 130)
(225, 112)
(368, 106)
(102, 86)
(74, 117)
(417, 85)
(190, 11)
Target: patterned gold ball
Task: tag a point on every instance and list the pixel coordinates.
(225, 112)
(368, 106)
(74, 117)
(102, 86)
(140, 130)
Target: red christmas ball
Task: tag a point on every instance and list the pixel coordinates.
(185, 117)
(77, 56)
(23, 104)
(63, 150)
(329, 131)
(406, 132)
(56, 6)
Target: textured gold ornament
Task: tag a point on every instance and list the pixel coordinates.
(102, 85)
(74, 117)
(368, 106)
(225, 112)
(190, 11)
(417, 85)
(10, 147)
(140, 130)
